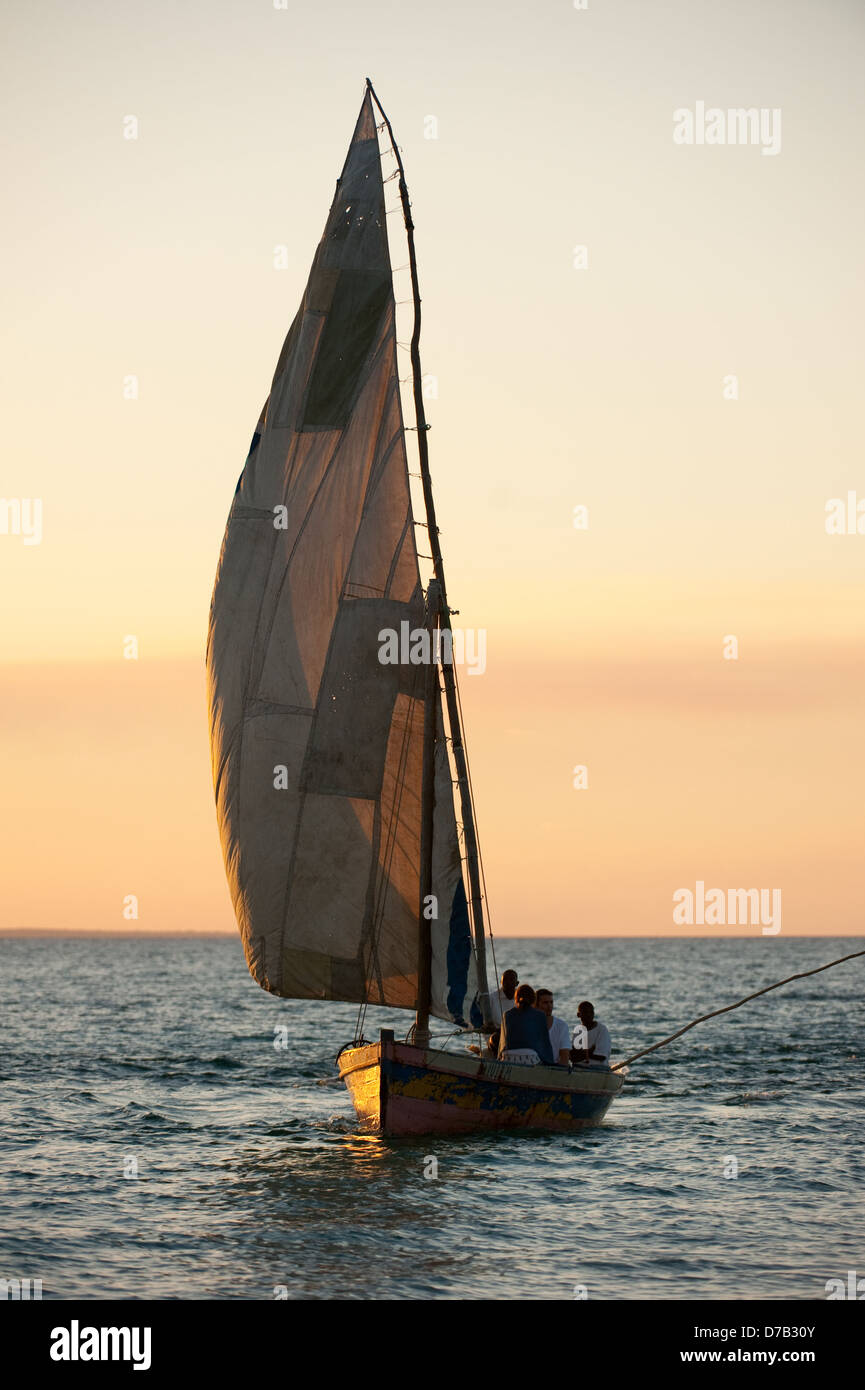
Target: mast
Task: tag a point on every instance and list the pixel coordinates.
(424, 961)
(468, 818)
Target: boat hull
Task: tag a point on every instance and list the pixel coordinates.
(398, 1089)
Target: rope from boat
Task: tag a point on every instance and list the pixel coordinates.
(714, 1014)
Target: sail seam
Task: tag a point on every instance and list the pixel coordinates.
(258, 652)
(397, 554)
(384, 870)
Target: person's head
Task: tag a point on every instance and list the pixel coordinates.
(525, 997)
(544, 1001)
(510, 980)
(586, 1014)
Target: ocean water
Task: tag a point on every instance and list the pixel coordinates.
(156, 1144)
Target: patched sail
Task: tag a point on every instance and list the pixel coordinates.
(317, 746)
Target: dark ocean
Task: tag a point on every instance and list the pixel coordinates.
(157, 1058)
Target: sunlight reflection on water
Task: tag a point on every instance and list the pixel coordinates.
(252, 1172)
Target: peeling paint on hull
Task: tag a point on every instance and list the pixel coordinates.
(400, 1090)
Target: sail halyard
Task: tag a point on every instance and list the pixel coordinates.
(476, 907)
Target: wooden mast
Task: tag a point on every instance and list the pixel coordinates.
(468, 818)
(424, 955)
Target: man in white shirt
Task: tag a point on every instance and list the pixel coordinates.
(592, 1040)
(560, 1033)
(510, 980)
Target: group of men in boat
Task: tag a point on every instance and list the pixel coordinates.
(528, 1030)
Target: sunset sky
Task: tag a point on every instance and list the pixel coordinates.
(555, 387)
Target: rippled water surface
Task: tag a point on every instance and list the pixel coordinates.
(159, 1055)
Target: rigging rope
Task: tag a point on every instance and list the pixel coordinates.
(715, 1012)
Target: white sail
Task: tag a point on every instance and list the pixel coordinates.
(317, 746)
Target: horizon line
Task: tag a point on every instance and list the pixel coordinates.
(85, 933)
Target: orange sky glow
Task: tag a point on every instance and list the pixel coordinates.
(554, 386)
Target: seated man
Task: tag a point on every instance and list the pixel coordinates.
(500, 1000)
(594, 1038)
(524, 1029)
(560, 1034)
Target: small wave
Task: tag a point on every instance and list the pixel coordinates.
(753, 1097)
(143, 1115)
(172, 1065)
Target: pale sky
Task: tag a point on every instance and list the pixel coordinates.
(557, 386)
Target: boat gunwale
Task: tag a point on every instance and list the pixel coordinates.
(377, 1056)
